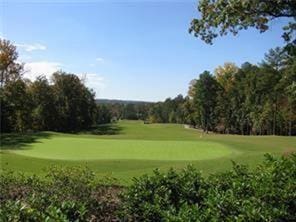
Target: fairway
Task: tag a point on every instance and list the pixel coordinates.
(67, 148)
(130, 148)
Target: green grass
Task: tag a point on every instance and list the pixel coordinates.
(131, 148)
(68, 148)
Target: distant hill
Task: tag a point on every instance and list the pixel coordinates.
(118, 101)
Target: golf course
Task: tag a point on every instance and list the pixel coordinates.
(128, 149)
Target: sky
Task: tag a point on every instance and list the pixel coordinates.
(135, 50)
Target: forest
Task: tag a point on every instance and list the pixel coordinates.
(253, 99)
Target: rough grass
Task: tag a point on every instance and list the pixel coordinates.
(131, 148)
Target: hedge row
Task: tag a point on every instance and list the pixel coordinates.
(267, 193)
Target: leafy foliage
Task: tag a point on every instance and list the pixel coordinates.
(265, 194)
(252, 99)
(67, 194)
(64, 104)
(218, 17)
(169, 111)
(10, 69)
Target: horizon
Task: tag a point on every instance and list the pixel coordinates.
(125, 47)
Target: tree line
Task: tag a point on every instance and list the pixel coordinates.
(62, 103)
(248, 100)
(169, 111)
(129, 110)
(251, 99)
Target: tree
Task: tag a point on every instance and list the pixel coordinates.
(219, 17)
(10, 69)
(44, 112)
(18, 107)
(291, 92)
(130, 112)
(75, 104)
(225, 77)
(191, 91)
(169, 111)
(225, 74)
(288, 85)
(205, 100)
(276, 58)
(103, 114)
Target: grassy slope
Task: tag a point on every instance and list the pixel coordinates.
(248, 149)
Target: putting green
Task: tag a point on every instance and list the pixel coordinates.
(71, 148)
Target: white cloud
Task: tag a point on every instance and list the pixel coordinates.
(94, 81)
(24, 58)
(1, 35)
(99, 59)
(31, 47)
(35, 69)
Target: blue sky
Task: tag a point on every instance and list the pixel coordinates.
(139, 50)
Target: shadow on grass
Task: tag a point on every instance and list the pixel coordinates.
(14, 141)
(105, 129)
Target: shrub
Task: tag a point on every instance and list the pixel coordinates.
(267, 193)
(66, 194)
(152, 198)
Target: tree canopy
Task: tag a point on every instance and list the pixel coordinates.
(220, 17)
(10, 69)
(65, 104)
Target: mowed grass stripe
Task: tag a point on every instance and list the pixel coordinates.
(71, 148)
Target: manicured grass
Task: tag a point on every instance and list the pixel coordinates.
(131, 148)
(68, 148)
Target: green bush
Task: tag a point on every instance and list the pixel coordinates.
(267, 193)
(66, 194)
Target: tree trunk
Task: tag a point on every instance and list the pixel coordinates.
(242, 129)
(274, 119)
